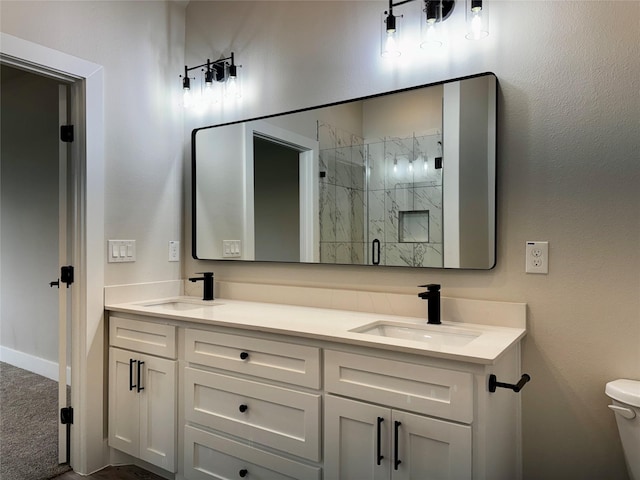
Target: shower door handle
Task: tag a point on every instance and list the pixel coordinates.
(375, 252)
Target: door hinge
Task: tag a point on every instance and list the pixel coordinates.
(66, 133)
(66, 415)
(66, 275)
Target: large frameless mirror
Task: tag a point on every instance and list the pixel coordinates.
(406, 178)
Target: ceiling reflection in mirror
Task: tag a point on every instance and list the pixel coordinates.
(405, 178)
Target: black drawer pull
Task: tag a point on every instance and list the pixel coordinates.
(243, 473)
(140, 387)
(131, 384)
(244, 356)
(243, 408)
(396, 460)
(379, 457)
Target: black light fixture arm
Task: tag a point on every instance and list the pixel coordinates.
(429, 7)
(215, 70)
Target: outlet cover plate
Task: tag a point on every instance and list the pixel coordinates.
(537, 257)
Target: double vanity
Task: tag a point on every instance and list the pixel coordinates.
(232, 388)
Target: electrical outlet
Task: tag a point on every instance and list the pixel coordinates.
(174, 251)
(537, 257)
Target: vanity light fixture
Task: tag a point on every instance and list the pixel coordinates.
(218, 74)
(477, 16)
(436, 12)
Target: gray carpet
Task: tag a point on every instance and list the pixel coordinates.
(28, 426)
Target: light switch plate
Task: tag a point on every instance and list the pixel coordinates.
(120, 251)
(231, 248)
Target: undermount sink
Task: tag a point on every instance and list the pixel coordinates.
(179, 305)
(443, 335)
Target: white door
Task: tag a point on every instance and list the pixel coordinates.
(428, 448)
(356, 440)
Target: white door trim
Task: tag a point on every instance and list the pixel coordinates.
(88, 447)
(309, 218)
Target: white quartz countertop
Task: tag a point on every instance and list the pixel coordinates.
(487, 343)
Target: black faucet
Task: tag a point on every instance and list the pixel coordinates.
(208, 284)
(432, 296)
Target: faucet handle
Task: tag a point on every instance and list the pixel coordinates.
(206, 274)
(431, 286)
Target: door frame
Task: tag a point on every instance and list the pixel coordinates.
(308, 149)
(88, 446)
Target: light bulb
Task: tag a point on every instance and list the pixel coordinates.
(410, 165)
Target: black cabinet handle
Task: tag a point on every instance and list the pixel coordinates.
(375, 252)
(244, 356)
(140, 387)
(243, 408)
(243, 473)
(131, 384)
(379, 457)
(396, 460)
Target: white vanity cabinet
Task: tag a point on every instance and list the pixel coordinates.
(250, 405)
(247, 390)
(143, 390)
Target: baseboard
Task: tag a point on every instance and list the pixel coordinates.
(31, 363)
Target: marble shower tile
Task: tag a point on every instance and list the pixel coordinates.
(326, 136)
(327, 252)
(399, 254)
(327, 212)
(428, 255)
(376, 162)
(343, 253)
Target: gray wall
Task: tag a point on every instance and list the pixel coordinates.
(29, 214)
(568, 173)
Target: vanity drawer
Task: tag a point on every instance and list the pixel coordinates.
(146, 337)
(208, 456)
(277, 417)
(408, 386)
(280, 361)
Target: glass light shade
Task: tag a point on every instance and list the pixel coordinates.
(431, 35)
(211, 93)
(187, 98)
(431, 30)
(390, 37)
(232, 87)
(477, 15)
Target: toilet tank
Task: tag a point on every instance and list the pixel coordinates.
(626, 403)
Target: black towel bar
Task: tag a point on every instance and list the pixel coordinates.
(494, 383)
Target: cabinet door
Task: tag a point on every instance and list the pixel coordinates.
(355, 439)
(429, 448)
(158, 411)
(123, 402)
